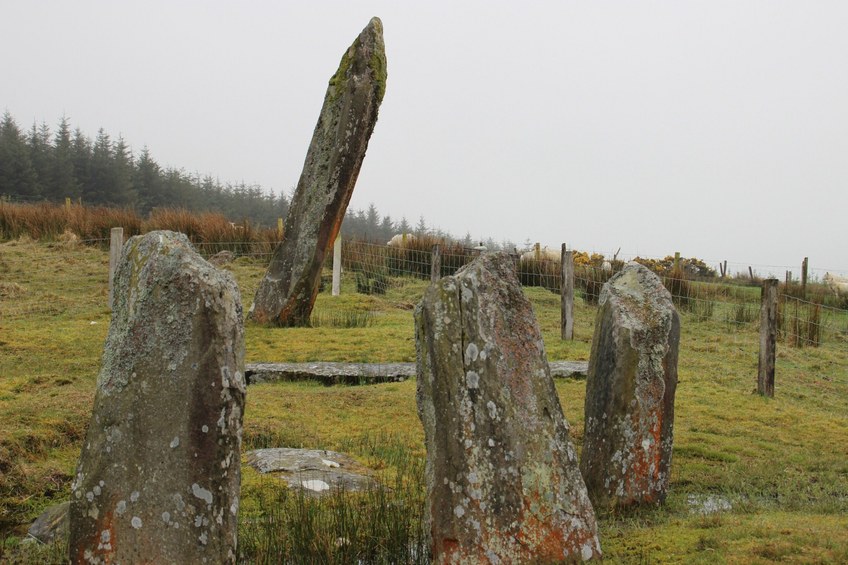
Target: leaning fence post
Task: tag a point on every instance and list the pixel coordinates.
(567, 290)
(768, 338)
(116, 242)
(436, 263)
(337, 265)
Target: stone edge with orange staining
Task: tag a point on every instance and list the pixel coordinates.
(159, 474)
(630, 389)
(503, 482)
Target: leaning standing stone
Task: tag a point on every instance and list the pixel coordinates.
(287, 292)
(503, 483)
(630, 387)
(158, 478)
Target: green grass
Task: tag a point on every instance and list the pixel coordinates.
(782, 463)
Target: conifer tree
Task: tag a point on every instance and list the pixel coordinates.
(17, 176)
(63, 182)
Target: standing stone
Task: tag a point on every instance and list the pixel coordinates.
(503, 483)
(158, 478)
(630, 387)
(287, 292)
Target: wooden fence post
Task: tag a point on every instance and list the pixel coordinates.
(768, 338)
(67, 204)
(280, 228)
(337, 265)
(804, 265)
(436, 263)
(676, 267)
(751, 272)
(116, 243)
(567, 291)
(537, 251)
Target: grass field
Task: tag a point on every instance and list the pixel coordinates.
(754, 480)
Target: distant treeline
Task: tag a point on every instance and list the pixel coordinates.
(43, 165)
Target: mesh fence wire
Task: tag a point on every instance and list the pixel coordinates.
(62, 274)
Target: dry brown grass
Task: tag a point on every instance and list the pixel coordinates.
(211, 231)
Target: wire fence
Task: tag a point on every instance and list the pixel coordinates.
(65, 276)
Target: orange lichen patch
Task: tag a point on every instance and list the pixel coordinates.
(447, 548)
(100, 545)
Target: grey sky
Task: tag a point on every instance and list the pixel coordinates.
(715, 128)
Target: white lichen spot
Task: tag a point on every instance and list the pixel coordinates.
(491, 442)
(93, 512)
(203, 538)
(134, 496)
(468, 443)
(467, 294)
(329, 463)
(198, 521)
(586, 552)
(105, 536)
(234, 506)
(96, 490)
(102, 484)
(201, 493)
(459, 511)
(471, 353)
(89, 496)
(315, 485)
(472, 379)
(175, 442)
(646, 444)
(493, 410)
(121, 507)
(166, 517)
(205, 429)
(136, 522)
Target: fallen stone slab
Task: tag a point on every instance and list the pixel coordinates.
(52, 524)
(368, 373)
(315, 471)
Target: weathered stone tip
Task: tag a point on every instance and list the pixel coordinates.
(376, 24)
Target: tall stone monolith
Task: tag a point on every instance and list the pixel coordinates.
(287, 292)
(626, 457)
(503, 483)
(159, 474)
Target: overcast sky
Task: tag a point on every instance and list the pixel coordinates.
(715, 128)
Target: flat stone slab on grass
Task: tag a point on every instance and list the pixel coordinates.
(368, 373)
(315, 471)
(52, 524)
